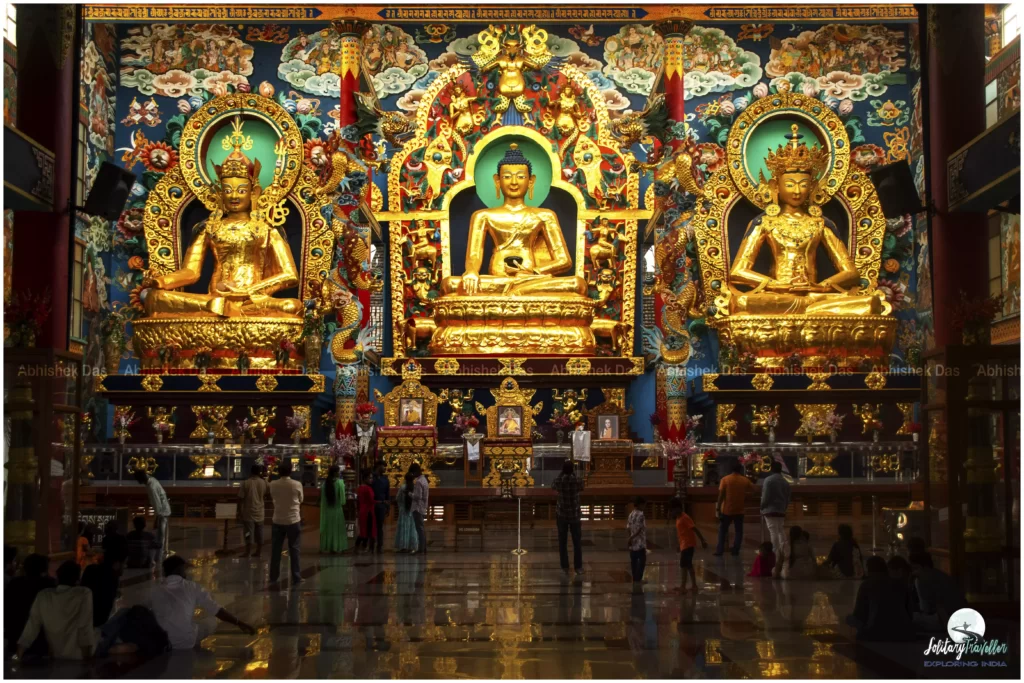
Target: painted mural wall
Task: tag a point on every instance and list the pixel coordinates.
(140, 82)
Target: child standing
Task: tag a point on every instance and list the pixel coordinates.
(687, 534)
(637, 527)
(364, 504)
(764, 563)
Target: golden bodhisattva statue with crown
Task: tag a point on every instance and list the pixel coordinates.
(241, 314)
(788, 307)
(251, 258)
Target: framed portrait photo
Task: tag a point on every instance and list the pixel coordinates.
(607, 426)
(510, 420)
(410, 412)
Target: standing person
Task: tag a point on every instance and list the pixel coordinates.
(420, 499)
(775, 492)
(567, 517)
(687, 534)
(64, 615)
(252, 509)
(364, 509)
(333, 532)
(174, 600)
(20, 593)
(636, 525)
(381, 502)
(730, 507)
(406, 539)
(161, 508)
(287, 522)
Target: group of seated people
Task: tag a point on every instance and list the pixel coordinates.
(73, 616)
(844, 560)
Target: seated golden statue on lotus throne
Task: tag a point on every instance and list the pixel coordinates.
(522, 303)
(793, 229)
(252, 260)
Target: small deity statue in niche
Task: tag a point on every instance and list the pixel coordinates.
(518, 232)
(511, 51)
(604, 250)
(422, 283)
(570, 110)
(793, 228)
(252, 260)
(606, 283)
(421, 251)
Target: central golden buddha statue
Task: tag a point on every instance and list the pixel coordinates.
(252, 260)
(523, 303)
(793, 229)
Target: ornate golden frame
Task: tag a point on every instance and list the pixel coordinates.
(583, 214)
(410, 388)
(853, 188)
(508, 393)
(167, 201)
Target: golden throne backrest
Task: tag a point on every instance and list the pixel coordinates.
(410, 388)
(508, 393)
(845, 181)
(184, 183)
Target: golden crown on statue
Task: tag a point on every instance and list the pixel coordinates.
(796, 157)
(237, 165)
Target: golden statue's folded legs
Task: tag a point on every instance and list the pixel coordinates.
(771, 303)
(522, 286)
(169, 304)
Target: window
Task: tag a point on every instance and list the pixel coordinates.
(81, 191)
(77, 289)
(11, 24)
(991, 102)
(1010, 22)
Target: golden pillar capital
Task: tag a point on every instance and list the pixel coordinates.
(350, 27)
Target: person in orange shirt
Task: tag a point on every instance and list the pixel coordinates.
(687, 533)
(730, 507)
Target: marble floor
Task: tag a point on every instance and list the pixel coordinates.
(486, 613)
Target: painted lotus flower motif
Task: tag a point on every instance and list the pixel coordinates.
(159, 157)
(137, 263)
(895, 292)
(760, 90)
(129, 223)
(868, 156)
(712, 155)
(315, 153)
(845, 107)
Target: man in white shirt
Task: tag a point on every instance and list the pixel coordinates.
(287, 496)
(420, 498)
(173, 602)
(64, 614)
(161, 508)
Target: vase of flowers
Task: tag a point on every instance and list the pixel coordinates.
(284, 352)
(833, 422)
(202, 359)
(296, 423)
(240, 429)
(466, 424)
(124, 418)
(269, 432)
(973, 317)
(560, 422)
(24, 316)
(159, 429)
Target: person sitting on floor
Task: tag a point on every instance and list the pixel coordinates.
(801, 563)
(881, 612)
(20, 593)
(64, 614)
(845, 558)
(174, 600)
(901, 572)
(938, 595)
(141, 546)
(764, 561)
(112, 536)
(104, 578)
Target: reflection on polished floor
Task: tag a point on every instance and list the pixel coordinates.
(491, 614)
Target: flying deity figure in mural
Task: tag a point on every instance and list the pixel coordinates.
(793, 228)
(252, 260)
(517, 232)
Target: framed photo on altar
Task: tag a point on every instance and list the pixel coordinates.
(607, 426)
(410, 412)
(510, 420)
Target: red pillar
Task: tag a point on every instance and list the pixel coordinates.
(955, 114)
(46, 104)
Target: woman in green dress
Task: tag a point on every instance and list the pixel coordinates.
(333, 531)
(406, 539)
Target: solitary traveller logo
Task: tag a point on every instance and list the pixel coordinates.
(966, 645)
